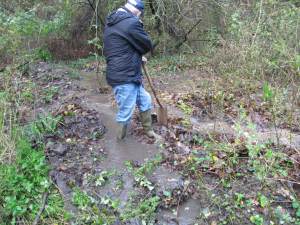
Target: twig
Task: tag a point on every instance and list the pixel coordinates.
(91, 4)
(38, 216)
(187, 34)
(7, 9)
(259, 22)
(17, 67)
(284, 180)
(21, 65)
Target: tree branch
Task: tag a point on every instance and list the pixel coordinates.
(91, 4)
(187, 34)
(7, 9)
(44, 202)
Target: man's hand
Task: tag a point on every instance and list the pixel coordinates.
(144, 60)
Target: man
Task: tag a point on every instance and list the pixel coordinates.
(125, 43)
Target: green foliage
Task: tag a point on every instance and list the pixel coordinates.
(101, 179)
(263, 200)
(144, 210)
(185, 108)
(28, 25)
(296, 206)
(44, 125)
(49, 93)
(81, 199)
(89, 210)
(240, 199)
(263, 43)
(24, 179)
(140, 173)
(283, 216)
(268, 94)
(23, 183)
(257, 220)
(264, 161)
(42, 54)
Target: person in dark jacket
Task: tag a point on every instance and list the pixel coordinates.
(125, 43)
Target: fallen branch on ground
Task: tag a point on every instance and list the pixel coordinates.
(44, 202)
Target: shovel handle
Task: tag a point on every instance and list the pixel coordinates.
(151, 85)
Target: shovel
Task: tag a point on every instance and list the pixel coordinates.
(162, 112)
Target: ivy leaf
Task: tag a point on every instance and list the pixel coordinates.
(298, 213)
(263, 201)
(296, 204)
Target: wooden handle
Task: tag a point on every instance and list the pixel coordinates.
(151, 85)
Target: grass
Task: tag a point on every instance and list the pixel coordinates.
(49, 94)
(85, 62)
(175, 63)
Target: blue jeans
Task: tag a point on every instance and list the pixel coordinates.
(127, 97)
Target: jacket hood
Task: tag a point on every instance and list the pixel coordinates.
(117, 16)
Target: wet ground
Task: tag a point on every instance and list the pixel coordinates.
(133, 150)
(195, 183)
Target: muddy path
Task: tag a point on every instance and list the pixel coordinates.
(199, 173)
(138, 152)
(87, 160)
(117, 152)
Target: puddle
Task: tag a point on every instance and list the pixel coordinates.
(285, 137)
(130, 149)
(117, 152)
(79, 156)
(187, 214)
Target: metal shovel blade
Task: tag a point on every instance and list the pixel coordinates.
(162, 116)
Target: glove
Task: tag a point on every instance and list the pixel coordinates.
(144, 60)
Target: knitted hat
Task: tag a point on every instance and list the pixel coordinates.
(139, 4)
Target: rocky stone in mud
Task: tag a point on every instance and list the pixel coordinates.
(56, 148)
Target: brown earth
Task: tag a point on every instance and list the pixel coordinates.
(85, 148)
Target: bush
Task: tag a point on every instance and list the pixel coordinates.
(261, 41)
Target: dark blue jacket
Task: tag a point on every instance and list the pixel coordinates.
(125, 41)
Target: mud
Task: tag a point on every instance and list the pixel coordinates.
(129, 150)
(84, 152)
(118, 152)
(185, 214)
(86, 146)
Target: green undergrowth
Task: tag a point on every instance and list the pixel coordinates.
(23, 185)
(107, 210)
(141, 172)
(24, 180)
(143, 210)
(94, 211)
(85, 62)
(159, 65)
(248, 176)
